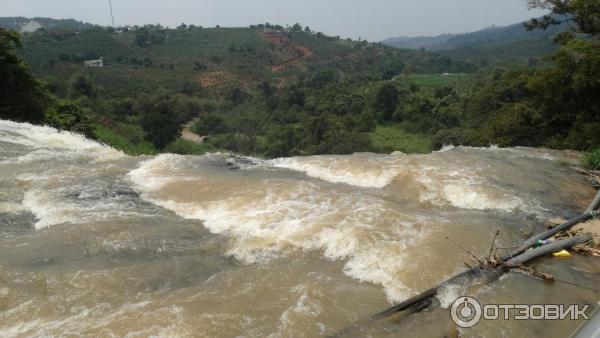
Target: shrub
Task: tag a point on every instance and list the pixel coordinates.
(592, 159)
(185, 147)
(209, 124)
(454, 136)
(159, 121)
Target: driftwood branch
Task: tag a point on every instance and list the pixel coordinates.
(492, 246)
(466, 250)
(505, 267)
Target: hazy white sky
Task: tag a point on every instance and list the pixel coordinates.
(373, 20)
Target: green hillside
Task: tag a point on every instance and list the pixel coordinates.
(248, 85)
(152, 57)
(512, 44)
(522, 52)
(493, 34)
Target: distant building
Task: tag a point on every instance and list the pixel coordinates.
(447, 74)
(94, 63)
(31, 27)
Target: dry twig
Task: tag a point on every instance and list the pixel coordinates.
(467, 251)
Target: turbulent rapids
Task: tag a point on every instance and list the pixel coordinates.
(94, 242)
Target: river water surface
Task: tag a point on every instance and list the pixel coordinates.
(97, 243)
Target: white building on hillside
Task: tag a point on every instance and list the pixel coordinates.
(94, 63)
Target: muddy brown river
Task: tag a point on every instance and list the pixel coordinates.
(97, 243)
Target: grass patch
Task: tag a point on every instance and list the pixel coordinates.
(387, 139)
(186, 147)
(118, 141)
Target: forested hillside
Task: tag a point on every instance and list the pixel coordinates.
(150, 57)
(272, 91)
(493, 34)
(216, 73)
(513, 44)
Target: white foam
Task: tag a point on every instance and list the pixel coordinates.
(153, 174)
(274, 216)
(48, 209)
(448, 293)
(44, 137)
(305, 307)
(294, 215)
(441, 183)
(343, 169)
(446, 147)
(8, 207)
(467, 188)
(60, 206)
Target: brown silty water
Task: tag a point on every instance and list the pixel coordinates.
(97, 243)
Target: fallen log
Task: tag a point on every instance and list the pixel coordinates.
(547, 234)
(586, 216)
(503, 268)
(544, 250)
(595, 203)
(422, 296)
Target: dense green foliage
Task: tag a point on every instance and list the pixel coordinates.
(592, 159)
(232, 79)
(21, 95)
(23, 98)
(273, 91)
(556, 106)
(327, 114)
(159, 120)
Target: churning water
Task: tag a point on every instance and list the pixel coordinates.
(97, 243)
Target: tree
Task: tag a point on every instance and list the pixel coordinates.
(323, 78)
(21, 95)
(585, 13)
(266, 89)
(209, 124)
(566, 95)
(191, 87)
(69, 115)
(295, 97)
(387, 99)
(124, 107)
(82, 85)
(236, 96)
(160, 121)
(142, 38)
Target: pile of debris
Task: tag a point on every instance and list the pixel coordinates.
(558, 237)
(591, 227)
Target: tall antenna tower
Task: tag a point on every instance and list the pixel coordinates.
(112, 17)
